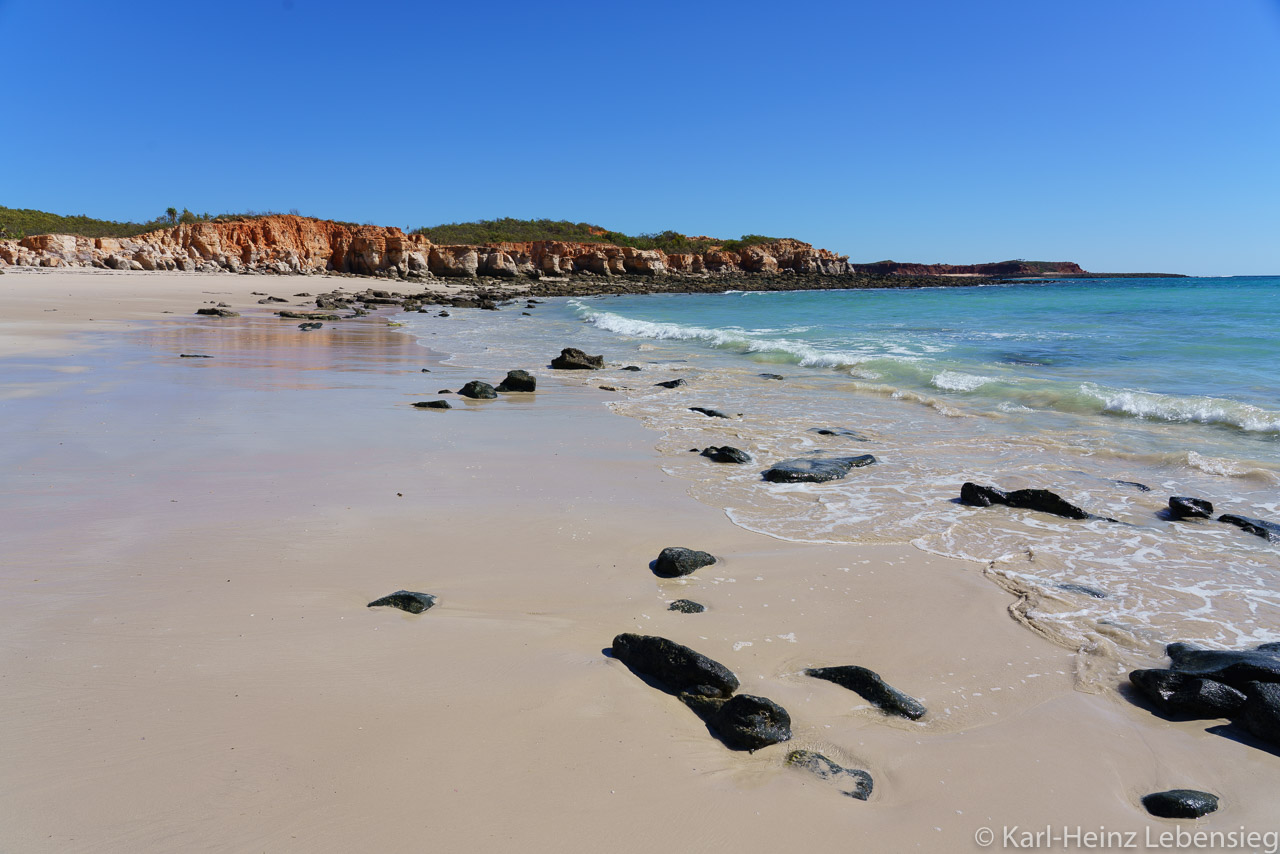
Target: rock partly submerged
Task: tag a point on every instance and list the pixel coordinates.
(868, 685)
(1041, 500)
(726, 454)
(1180, 803)
(518, 380)
(852, 782)
(406, 600)
(433, 404)
(1269, 531)
(674, 667)
(744, 721)
(1183, 507)
(573, 359)
(710, 413)
(477, 390)
(815, 470)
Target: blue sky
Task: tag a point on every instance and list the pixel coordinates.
(1141, 135)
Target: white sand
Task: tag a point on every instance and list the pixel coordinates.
(188, 664)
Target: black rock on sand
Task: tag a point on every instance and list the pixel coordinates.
(405, 600)
(675, 561)
(868, 684)
(675, 667)
(850, 781)
(573, 359)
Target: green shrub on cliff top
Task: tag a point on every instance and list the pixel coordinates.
(508, 230)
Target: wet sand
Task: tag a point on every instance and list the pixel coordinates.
(188, 662)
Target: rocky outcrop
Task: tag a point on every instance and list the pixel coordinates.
(1002, 269)
(293, 244)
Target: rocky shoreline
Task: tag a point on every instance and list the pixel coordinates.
(294, 245)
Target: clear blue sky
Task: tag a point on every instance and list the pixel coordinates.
(1128, 135)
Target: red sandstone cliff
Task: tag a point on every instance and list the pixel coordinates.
(294, 244)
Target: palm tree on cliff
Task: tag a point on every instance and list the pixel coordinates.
(171, 214)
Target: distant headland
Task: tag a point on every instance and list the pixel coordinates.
(550, 250)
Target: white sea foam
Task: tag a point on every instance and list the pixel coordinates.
(960, 381)
(1203, 410)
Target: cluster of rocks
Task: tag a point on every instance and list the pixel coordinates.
(1180, 507)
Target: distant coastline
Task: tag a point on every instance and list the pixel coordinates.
(289, 244)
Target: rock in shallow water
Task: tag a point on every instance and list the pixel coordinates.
(573, 359)
(1042, 500)
(744, 721)
(687, 606)
(1182, 507)
(726, 454)
(710, 413)
(868, 685)
(478, 391)
(518, 381)
(674, 561)
(433, 404)
(217, 312)
(1180, 803)
(815, 471)
(850, 781)
(1269, 531)
(405, 600)
(671, 383)
(677, 668)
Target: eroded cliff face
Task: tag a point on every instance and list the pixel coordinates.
(300, 245)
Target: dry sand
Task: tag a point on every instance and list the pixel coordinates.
(187, 662)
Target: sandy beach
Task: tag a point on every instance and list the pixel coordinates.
(188, 663)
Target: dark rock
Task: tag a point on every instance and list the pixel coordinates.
(1141, 487)
(842, 432)
(726, 454)
(772, 376)
(671, 383)
(425, 370)
(675, 561)
(433, 404)
(444, 391)
(1181, 507)
(573, 359)
(525, 314)
(1269, 531)
(303, 294)
(687, 606)
(271, 299)
(976, 495)
(217, 312)
(868, 684)
(815, 471)
(744, 721)
(443, 314)
(710, 413)
(850, 781)
(478, 390)
(405, 600)
(518, 381)
(193, 356)
(310, 325)
(1041, 500)
(306, 315)
(1181, 694)
(677, 668)
(1260, 713)
(488, 305)
(1236, 668)
(631, 368)
(1180, 803)
(1083, 589)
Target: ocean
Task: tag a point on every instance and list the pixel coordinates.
(1114, 393)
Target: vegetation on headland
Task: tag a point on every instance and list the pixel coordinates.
(508, 230)
(23, 222)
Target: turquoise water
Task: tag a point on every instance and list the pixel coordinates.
(1178, 350)
(1117, 394)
